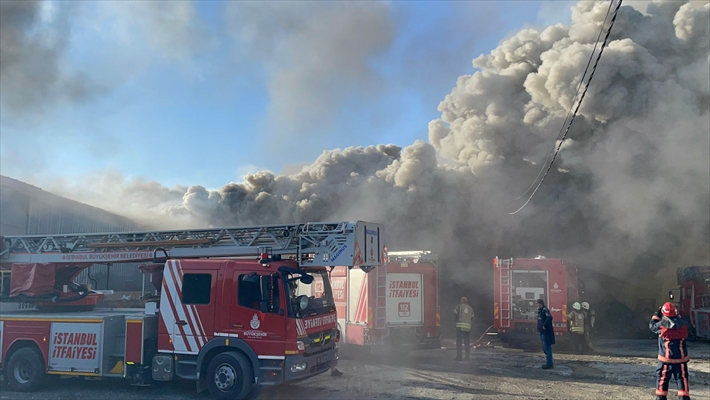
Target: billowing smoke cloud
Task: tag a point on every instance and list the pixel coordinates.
(630, 194)
(35, 36)
(33, 39)
(318, 57)
(640, 150)
(60, 56)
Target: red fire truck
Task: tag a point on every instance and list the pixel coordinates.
(518, 283)
(223, 313)
(694, 301)
(395, 308)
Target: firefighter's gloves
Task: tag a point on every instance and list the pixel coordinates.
(658, 314)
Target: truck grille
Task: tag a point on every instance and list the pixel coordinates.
(320, 341)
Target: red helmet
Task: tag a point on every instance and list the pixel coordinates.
(669, 310)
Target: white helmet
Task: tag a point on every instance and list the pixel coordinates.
(585, 305)
(576, 306)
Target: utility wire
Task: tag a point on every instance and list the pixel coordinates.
(591, 75)
(576, 93)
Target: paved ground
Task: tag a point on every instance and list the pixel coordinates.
(622, 369)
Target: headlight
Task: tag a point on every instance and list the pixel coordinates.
(303, 302)
(299, 367)
(301, 345)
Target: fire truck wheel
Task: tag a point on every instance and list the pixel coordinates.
(229, 376)
(25, 370)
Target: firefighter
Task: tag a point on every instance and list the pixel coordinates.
(673, 358)
(575, 322)
(589, 319)
(463, 314)
(547, 333)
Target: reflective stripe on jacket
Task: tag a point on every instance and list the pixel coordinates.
(576, 322)
(464, 313)
(672, 334)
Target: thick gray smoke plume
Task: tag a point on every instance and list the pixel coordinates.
(33, 39)
(35, 74)
(630, 194)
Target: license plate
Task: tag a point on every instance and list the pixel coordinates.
(322, 359)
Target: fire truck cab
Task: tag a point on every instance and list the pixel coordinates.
(518, 284)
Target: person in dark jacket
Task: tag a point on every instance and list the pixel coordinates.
(547, 334)
(672, 351)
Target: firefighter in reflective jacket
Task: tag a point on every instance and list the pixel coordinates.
(575, 320)
(672, 352)
(463, 314)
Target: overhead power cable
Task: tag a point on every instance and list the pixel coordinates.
(576, 93)
(591, 75)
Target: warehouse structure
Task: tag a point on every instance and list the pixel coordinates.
(28, 210)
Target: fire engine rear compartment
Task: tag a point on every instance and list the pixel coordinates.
(519, 283)
(97, 343)
(396, 306)
(525, 289)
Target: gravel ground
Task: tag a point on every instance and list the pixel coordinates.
(621, 369)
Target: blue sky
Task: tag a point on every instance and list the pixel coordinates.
(201, 113)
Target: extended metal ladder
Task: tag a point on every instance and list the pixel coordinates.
(504, 300)
(381, 297)
(311, 244)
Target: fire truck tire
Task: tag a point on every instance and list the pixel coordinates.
(230, 376)
(25, 370)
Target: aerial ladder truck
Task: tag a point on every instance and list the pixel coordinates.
(226, 313)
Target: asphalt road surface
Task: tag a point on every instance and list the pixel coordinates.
(621, 369)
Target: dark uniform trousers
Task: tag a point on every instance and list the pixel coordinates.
(465, 337)
(678, 371)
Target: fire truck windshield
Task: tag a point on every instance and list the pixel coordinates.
(308, 299)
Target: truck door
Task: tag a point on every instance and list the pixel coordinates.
(356, 318)
(265, 329)
(190, 308)
(338, 283)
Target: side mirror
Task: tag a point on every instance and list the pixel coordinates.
(265, 283)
